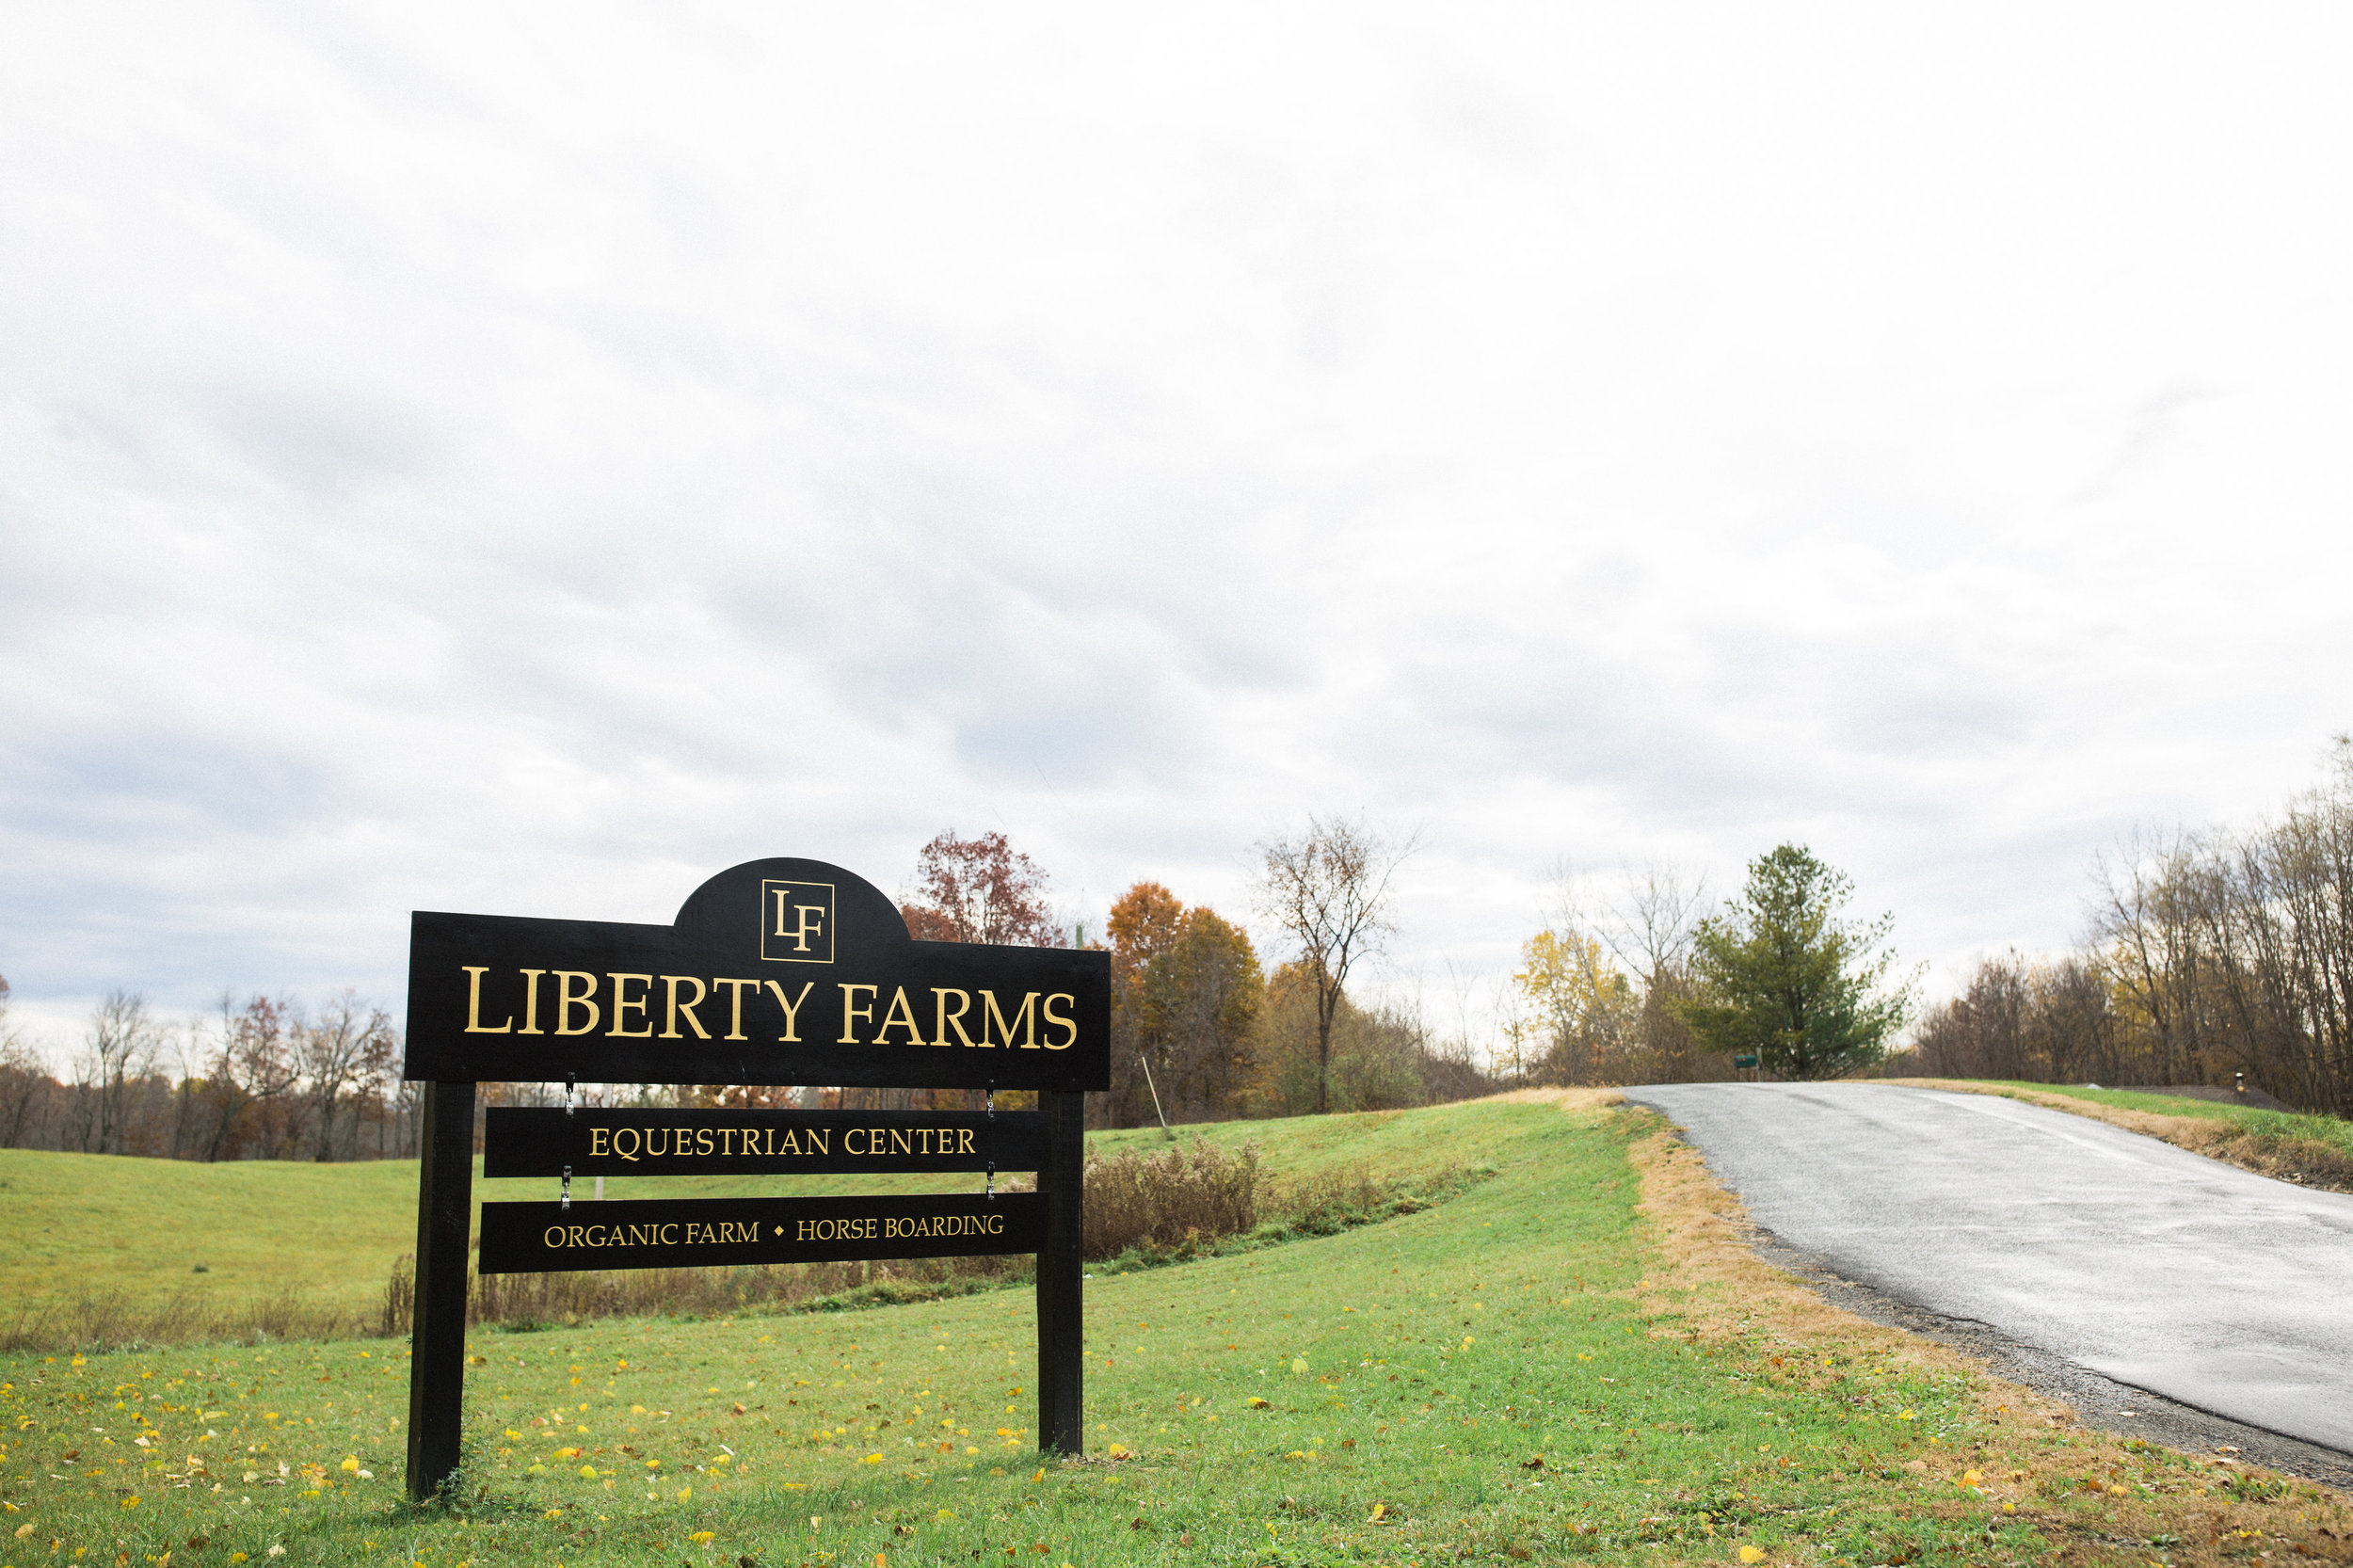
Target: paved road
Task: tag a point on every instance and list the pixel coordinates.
(2150, 1265)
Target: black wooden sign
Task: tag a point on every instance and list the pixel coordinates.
(775, 971)
(555, 1237)
(591, 1141)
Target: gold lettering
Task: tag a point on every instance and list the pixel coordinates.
(666, 1234)
(791, 1035)
(851, 1014)
(661, 1133)
(473, 1004)
(1070, 1039)
(572, 1237)
(596, 1236)
(635, 1142)
(551, 1237)
(702, 1140)
(943, 1018)
(900, 1015)
(531, 1002)
(675, 1007)
(848, 1147)
(596, 1135)
(1026, 1017)
(964, 1145)
(565, 1001)
(735, 998)
(621, 1007)
(821, 1141)
(899, 1144)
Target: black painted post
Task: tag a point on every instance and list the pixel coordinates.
(1060, 1290)
(436, 1368)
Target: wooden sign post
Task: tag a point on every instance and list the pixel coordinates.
(775, 972)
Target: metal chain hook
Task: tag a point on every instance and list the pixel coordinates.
(567, 1094)
(566, 1201)
(989, 1192)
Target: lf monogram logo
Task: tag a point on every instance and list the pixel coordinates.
(796, 922)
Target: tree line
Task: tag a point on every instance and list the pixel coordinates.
(1206, 1024)
(2205, 955)
(1660, 985)
(269, 1079)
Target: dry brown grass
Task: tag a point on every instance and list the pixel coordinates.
(1567, 1099)
(113, 1320)
(2093, 1497)
(2307, 1162)
(1195, 1191)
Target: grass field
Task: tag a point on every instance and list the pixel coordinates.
(1536, 1370)
(138, 1231)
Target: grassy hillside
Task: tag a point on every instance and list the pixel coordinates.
(1533, 1370)
(2281, 1124)
(2316, 1151)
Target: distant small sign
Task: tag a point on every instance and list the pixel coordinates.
(1748, 1061)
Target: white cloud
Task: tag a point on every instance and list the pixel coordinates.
(524, 462)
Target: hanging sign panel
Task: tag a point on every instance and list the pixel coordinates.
(554, 1237)
(775, 971)
(592, 1141)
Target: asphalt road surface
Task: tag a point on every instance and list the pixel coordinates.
(2222, 1290)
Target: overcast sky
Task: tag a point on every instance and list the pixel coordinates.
(523, 461)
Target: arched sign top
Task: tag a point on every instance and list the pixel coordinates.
(780, 970)
(784, 910)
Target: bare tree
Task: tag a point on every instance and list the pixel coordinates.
(1650, 928)
(345, 1051)
(1328, 889)
(247, 1066)
(118, 1050)
(26, 1086)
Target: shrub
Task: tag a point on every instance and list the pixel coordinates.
(1163, 1198)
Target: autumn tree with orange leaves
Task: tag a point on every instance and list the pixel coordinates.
(1186, 995)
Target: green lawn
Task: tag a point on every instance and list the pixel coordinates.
(1495, 1379)
(137, 1231)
